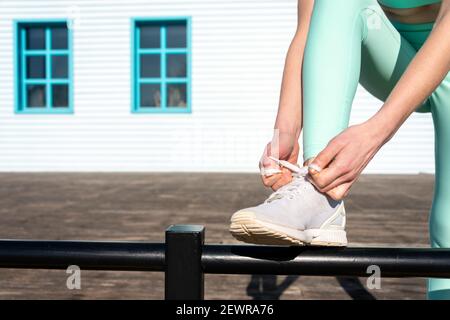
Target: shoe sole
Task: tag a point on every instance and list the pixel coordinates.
(245, 227)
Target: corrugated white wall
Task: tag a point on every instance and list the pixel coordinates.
(238, 54)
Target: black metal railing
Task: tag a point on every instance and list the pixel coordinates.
(185, 259)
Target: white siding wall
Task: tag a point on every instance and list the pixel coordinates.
(238, 54)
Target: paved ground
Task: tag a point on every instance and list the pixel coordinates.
(386, 210)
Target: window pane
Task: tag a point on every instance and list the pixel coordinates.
(176, 65)
(60, 95)
(150, 66)
(150, 95)
(35, 38)
(60, 67)
(176, 95)
(176, 36)
(36, 67)
(59, 38)
(36, 96)
(150, 37)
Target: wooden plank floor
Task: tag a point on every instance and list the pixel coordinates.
(383, 210)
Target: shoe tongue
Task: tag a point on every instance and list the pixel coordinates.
(298, 180)
(301, 174)
(301, 180)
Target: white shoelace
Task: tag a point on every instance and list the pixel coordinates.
(293, 188)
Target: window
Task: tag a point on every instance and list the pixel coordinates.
(161, 65)
(43, 67)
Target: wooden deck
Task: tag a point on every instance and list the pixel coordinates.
(382, 211)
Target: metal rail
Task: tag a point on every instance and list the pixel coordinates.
(185, 259)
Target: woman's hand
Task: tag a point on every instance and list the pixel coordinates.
(284, 146)
(345, 157)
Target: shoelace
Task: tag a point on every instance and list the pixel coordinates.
(292, 188)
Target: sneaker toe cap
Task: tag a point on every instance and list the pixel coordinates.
(242, 215)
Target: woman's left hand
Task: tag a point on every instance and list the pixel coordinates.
(345, 157)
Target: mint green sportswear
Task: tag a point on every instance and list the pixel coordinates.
(351, 42)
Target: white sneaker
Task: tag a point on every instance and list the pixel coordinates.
(296, 214)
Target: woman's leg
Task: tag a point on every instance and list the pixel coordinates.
(345, 36)
(348, 42)
(440, 211)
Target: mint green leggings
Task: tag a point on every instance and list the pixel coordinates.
(352, 41)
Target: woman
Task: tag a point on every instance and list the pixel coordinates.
(399, 50)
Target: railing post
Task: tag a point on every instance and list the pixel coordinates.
(184, 278)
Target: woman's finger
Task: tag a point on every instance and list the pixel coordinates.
(278, 180)
(337, 172)
(284, 179)
(325, 157)
(269, 181)
(341, 191)
(267, 166)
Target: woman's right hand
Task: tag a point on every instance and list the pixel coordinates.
(284, 146)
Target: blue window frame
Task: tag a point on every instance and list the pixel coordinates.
(161, 65)
(43, 67)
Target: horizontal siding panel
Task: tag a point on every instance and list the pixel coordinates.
(238, 51)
